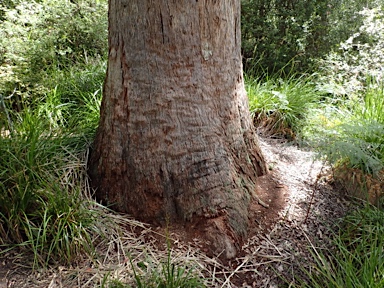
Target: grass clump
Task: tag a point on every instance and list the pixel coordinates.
(280, 106)
(42, 208)
(357, 256)
(52, 72)
(348, 132)
(371, 107)
(167, 274)
(172, 272)
(74, 97)
(171, 275)
(44, 203)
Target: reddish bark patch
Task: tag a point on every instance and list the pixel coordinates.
(214, 234)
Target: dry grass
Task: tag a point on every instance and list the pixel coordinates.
(124, 246)
(130, 247)
(354, 182)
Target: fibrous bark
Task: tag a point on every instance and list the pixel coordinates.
(175, 140)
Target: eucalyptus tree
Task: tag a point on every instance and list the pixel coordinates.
(175, 142)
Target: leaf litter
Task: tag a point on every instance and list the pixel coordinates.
(303, 208)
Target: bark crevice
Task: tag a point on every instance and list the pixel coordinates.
(175, 139)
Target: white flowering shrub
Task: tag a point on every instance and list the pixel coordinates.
(359, 61)
(38, 37)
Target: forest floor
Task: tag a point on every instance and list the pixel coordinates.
(303, 207)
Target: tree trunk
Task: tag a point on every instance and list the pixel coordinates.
(175, 140)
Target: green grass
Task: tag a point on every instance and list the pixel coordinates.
(163, 272)
(169, 274)
(43, 207)
(350, 131)
(42, 173)
(281, 105)
(371, 107)
(75, 97)
(357, 257)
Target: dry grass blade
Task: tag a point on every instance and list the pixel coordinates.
(227, 280)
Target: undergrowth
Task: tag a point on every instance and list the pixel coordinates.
(43, 208)
(46, 129)
(356, 259)
(50, 97)
(349, 134)
(345, 124)
(280, 106)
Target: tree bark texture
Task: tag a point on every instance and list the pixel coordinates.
(175, 139)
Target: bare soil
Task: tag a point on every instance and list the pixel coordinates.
(303, 210)
(296, 210)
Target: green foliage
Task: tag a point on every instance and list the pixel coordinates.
(345, 19)
(52, 72)
(41, 208)
(75, 98)
(372, 106)
(360, 145)
(357, 257)
(277, 32)
(170, 275)
(350, 131)
(72, 99)
(348, 127)
(37, 38)
(281, 106)
(174, 276)
(42, 178)
(5, 5)
(357, 64)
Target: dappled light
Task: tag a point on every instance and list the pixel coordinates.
(311, 202)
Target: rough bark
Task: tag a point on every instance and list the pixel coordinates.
(175, 140)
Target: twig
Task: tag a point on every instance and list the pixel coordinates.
(227, 281)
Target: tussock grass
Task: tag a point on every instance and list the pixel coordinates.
(371, 107)
(349, 134)
(280, 106)
(41, 205)
(45, 203)
(357, 256)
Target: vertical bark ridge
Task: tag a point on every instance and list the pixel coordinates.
(175, 138)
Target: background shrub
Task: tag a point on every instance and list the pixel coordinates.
(39, 37)
(358, 62)
(284, 34)
(283, 31)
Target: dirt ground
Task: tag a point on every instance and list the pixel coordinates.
(299, 209)
(303, 208)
